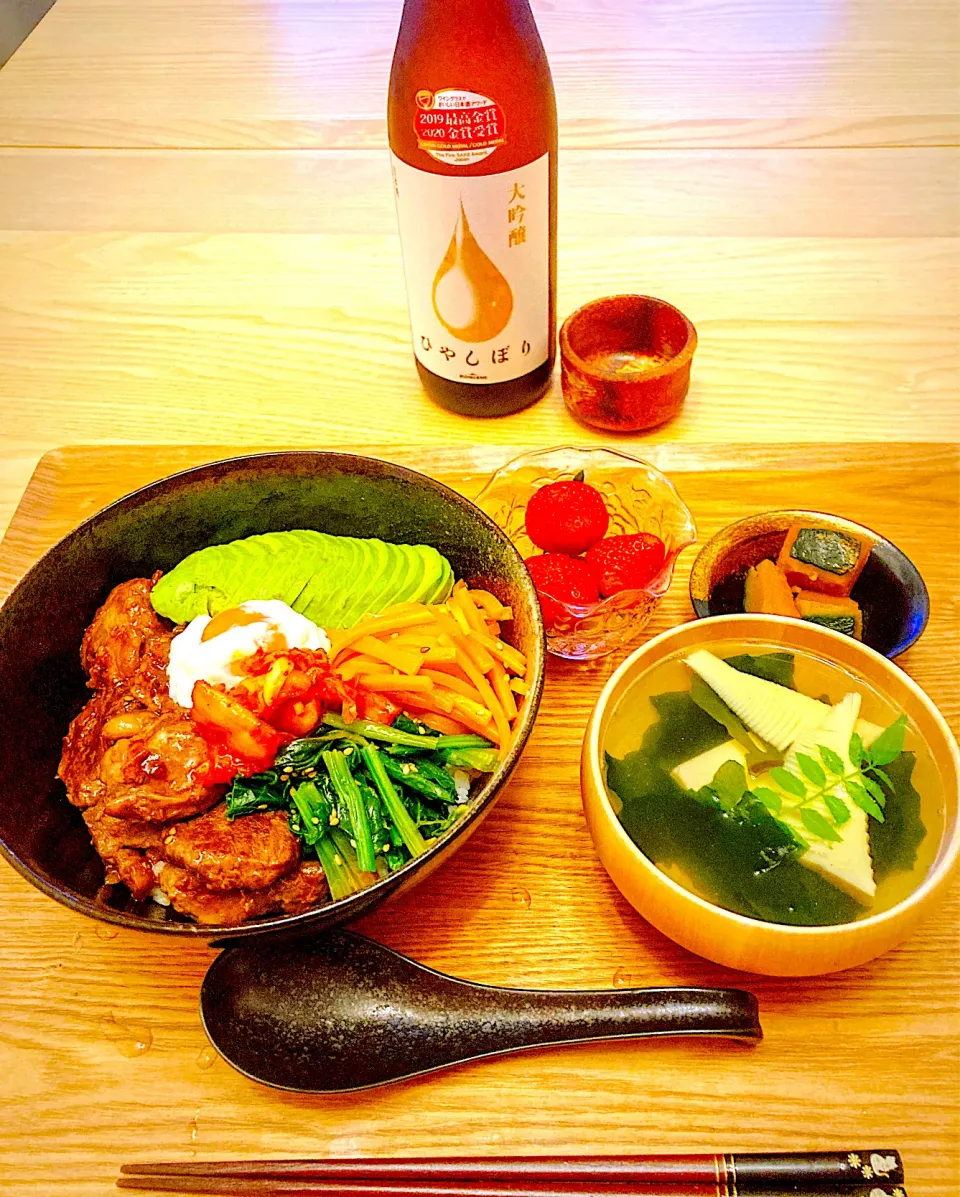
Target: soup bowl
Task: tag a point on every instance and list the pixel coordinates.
(722, 935)
(42, 684)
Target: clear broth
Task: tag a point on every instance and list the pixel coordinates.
(635, 714)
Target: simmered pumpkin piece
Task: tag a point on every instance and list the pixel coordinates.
(841, 614)
(825, 560)
(767, 591)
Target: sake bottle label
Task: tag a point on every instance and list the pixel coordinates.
(458, 127)
(476, 256)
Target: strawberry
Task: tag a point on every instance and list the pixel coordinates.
(566, 517)
(626, 562)
(561, 579)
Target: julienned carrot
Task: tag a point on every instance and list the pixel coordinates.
(490, 699)
(429, 702)
(461, 599)
(376, 626)
(388, 682)
(451, 663)
(387, 650)
(454, 611)
(358, 665)
(443, 724)
(451, 682)
(465, 643)
(491, 604)
(501, 687)
(515, 661)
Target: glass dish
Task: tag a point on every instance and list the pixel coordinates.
(638, 497)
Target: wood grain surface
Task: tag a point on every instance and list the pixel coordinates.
(101, 1051)
(197, 238)
(313, 74)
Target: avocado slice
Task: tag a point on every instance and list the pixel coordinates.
(322, 600)
(432, 573)
(368, 599)
(392, 579)
(355, 563)
(444, 587)
(412, 577)
(314, 598)
(333, 580)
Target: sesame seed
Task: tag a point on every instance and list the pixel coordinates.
(338, 858)
(334, 819)
(315, 821)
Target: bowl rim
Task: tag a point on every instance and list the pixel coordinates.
(672, 365)
(949, 848)
(223, 933)
(699, 582)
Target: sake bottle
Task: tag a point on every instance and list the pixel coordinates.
(473, 138)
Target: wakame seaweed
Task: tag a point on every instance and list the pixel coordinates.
(894, 842)
(749, 864)
(743, 858)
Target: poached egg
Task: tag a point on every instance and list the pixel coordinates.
(214, 649)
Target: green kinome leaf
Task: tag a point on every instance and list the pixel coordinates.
(832, 760)
(817, 825)
(811, 769)
(864, 801)
(790, 782)
(889, 744)
(770, 799)
(856, 749)
(837, 807)
(875, 791)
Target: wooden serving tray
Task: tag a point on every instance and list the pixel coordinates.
(103, 1059)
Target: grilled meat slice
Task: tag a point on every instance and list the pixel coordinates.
(153, 775)
(127, 644)
(122, 844)
(134, 870)
(251, 852)
(83, 748)
(290, 895)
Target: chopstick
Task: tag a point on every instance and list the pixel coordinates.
(268, 1188)
(873, 1172)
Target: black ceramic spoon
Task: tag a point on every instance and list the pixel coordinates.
(343, 1012)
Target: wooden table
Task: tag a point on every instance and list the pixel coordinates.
(197, 244)
(198, 238)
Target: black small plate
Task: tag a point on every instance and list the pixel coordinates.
(892, 595)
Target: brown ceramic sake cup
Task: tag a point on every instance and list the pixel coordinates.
(42, 685)
(625, 362)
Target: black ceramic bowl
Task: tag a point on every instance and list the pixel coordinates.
(891, 593)
(42, 685)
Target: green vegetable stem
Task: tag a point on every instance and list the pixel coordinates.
(349, 793)
(381, 732)
(409, 832)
